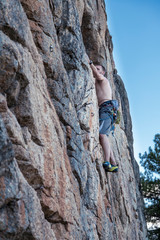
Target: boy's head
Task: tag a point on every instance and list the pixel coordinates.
(100, 69)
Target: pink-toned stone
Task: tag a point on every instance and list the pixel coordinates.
(53, 185)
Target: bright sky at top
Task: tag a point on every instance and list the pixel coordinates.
(135, 29)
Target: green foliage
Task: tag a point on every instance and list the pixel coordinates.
(150, 186)
(118, 117)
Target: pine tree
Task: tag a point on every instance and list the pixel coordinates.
(150, 185)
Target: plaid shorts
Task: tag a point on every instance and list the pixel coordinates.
(105, 119)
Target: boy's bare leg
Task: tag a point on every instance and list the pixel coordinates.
(112, 159)
(106, 146)
(108, 154)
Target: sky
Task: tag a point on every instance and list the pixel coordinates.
(135, 29)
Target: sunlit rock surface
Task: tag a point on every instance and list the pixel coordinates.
(52, 183)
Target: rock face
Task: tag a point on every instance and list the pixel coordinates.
(52, 183)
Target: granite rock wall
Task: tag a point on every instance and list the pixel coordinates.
(52, 183)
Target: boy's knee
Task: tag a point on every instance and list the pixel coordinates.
(102, 136)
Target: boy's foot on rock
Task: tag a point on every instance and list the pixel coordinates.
(113, 168)
(106, 165)
(109, 167)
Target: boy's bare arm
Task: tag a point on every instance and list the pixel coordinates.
(97, 75)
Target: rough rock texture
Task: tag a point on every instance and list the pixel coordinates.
(52, 183)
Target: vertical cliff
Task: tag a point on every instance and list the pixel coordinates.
(52, 183)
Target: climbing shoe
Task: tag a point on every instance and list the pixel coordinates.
(106, 165)
(113, 168)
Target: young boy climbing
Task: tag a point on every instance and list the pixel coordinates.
(106, 108)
